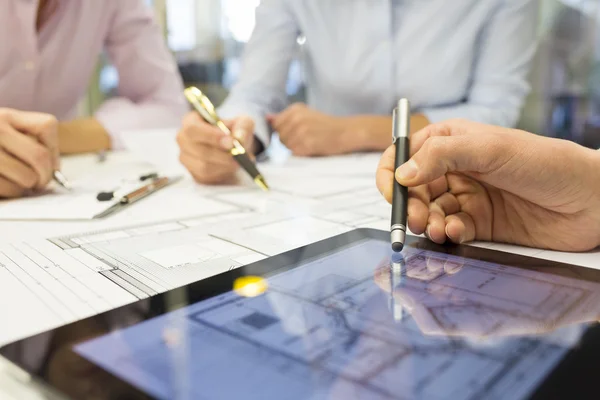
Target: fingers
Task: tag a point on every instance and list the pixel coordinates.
(436, 227)
(219, 159)
(242, 128)
(197, 131)
(28, 151)
(205, 150)
(385, 174)
(438, 156)
(455, 147)
(446, 204)
(438, 187)
(418, 206)
(460, 228)
(207, 165)
(456, 127)
(17, 172)
(285, 120)
(44, 127)
(287, 123)
(419, 138)
(439, 209)
(418, 215)
(419, 197)
(9, 189)
(429, 163)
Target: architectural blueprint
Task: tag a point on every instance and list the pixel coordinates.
(62, 279)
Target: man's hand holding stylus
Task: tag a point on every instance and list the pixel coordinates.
(470, 181)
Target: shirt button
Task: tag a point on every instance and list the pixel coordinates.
(29, 66)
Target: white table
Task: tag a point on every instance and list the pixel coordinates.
(189, 194)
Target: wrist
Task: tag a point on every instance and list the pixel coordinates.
(594, 170)
(354, 135)
(370, 132)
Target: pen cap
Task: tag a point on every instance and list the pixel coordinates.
(402, 119)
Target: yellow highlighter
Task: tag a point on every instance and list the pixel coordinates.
(206, 109)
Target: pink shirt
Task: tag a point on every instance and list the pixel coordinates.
(50, 71)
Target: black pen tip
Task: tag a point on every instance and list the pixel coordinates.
(397, 246)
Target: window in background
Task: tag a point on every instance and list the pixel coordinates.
(238, 24)
(565, 78)
(181, 25)
(207, 38)
(574, 84)
(239, 18)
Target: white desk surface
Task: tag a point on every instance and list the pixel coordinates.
(178, 202)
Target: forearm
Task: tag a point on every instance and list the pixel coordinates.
(374, 132)
(84, 135)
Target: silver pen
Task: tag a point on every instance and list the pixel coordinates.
(62, 180)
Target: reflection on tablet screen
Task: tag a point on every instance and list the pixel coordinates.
(357, 324)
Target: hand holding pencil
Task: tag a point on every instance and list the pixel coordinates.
(29, 154)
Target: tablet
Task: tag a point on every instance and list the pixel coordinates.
(344, 318)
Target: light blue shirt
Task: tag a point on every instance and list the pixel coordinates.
(452, 58)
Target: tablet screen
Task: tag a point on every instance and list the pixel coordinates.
(359, 323)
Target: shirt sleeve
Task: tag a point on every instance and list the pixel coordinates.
(150, 90)
(500, 82)
(261, 86)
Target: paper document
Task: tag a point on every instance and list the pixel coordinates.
(62, 280)
(51, 287)
(81, 202)
(157, 146)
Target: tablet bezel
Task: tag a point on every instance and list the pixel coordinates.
(570, 369)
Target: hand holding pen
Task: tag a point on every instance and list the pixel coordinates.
(29, 155)
(213, 149)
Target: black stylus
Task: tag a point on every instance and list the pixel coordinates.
(401, 128)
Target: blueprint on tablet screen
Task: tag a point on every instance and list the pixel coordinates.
(327, 330)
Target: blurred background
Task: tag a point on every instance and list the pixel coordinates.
(207, 38)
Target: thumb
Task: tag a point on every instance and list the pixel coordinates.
(440, 155)
(243, 130)
(43, 127)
